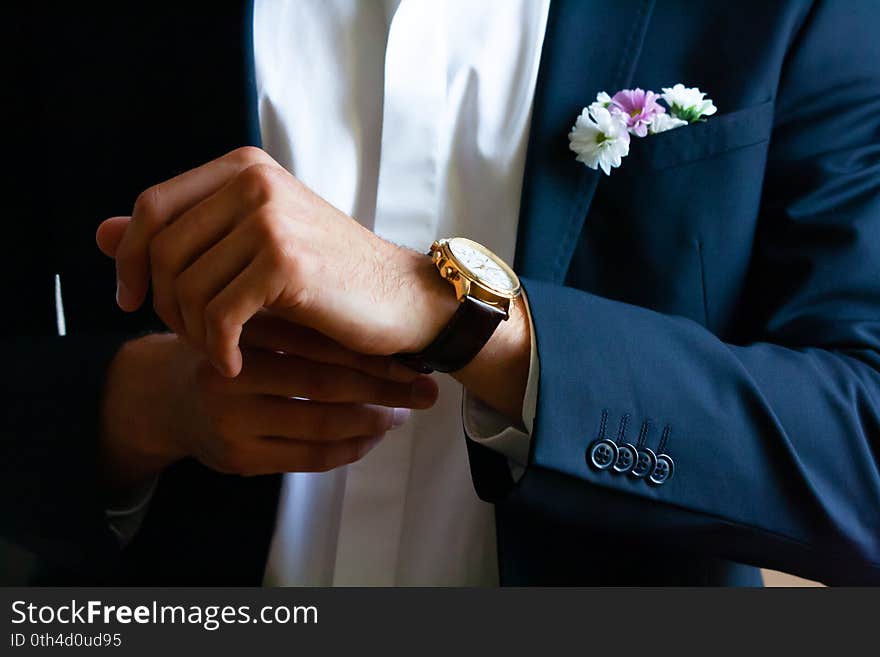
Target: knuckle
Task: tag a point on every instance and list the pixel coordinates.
(257, 184)
(247, 155)
(188, 292)
(265, 224)
(148, 205)
(276, 242)
(279, 256)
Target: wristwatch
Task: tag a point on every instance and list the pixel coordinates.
(485, 287)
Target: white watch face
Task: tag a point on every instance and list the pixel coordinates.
(483, 266)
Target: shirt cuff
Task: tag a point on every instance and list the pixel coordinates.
(125, 520)
(490, 428)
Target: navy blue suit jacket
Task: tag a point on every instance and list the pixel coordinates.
(721, 289)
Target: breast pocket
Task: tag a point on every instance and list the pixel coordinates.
(698, 141)
(672, 228)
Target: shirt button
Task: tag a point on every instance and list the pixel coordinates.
(663, 470)
(602, 454)
(626, 457)
(645, 462)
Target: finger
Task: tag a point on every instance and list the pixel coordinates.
(301, 419)
(265, 331)
(110, 233)
(227, 313)
(183, 242)
(270, 455)
(268, 373)
(160, 205)
(186, 296)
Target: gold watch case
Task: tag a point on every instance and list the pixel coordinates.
(466, 282)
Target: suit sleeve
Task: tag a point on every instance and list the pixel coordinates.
(49, 490)
(776, 441)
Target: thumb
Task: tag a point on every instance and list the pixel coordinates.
(110, 234)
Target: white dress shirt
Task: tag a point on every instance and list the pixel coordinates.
(412, 116)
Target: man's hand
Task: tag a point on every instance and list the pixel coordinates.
(163, 402)
(239, 234)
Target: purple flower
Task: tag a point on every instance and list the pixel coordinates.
(639, 107)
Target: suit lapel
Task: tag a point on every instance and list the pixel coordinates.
(250, 76)
(589, 46)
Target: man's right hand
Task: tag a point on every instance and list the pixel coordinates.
(301, 404)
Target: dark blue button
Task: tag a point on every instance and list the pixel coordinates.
(602, 454)
(645, 462)
(663, 470)
(627, 455)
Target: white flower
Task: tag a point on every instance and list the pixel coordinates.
(599, 138)
(602, 99)
(688, 104)
(664, 122)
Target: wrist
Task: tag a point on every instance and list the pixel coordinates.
(499, 373)
(134, 441)
(432, 305)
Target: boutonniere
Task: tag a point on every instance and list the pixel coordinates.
(602, 132)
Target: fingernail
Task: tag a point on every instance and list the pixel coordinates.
(400, 416)
(123, 295)
(424, 391)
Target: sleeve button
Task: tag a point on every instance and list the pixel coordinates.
(602, 454)
(663, 470)
(644, 463)
(626, 458)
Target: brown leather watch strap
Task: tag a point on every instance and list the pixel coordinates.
(460, 340)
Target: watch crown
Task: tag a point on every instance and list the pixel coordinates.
(435, 246)
(449, 273)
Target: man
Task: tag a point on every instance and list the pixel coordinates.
(711, 305)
